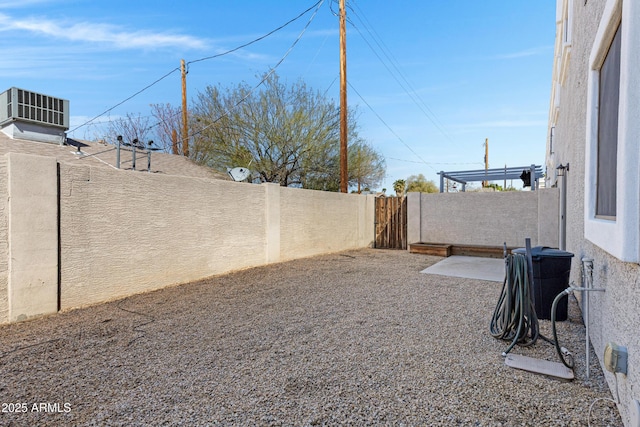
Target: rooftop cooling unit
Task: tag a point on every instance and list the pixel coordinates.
(23, 105)
(33, 116)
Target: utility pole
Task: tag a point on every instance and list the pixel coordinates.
(344, 174)
(185, 126)
(486, 161)
(174, 141)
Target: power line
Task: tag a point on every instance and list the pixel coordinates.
(406, 86)
(316, 5)
(391, 130)
(122, 102)
(267, 75)
(437, 163)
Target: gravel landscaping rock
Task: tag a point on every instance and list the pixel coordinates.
(353, 338)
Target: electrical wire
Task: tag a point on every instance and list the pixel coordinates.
(26, 347)
(265, 77)
(125, 100)
(389, 127)
(136, 328)
(616, 401)
(316, 5)
(598, 400)
(437, 163)
(403, 81)
(411, 93)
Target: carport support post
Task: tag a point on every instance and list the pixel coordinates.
(533, 178)
(504, 187)
(441, 181)
(119, 139)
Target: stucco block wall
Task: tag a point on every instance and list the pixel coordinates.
(124, 232)
(32, 285)
(4, 242)
(315, 222)
(483, 218)
(548, 217)
(93, 234)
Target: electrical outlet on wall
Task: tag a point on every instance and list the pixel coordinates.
(615, 358)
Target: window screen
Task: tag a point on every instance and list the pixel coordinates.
(608, 103)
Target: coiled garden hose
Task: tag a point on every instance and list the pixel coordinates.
(514, 318)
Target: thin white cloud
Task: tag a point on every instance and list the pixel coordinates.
(12, 4)
(526, 52)
(506, 124)
(100, 33)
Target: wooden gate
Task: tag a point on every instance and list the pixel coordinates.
(391, 223)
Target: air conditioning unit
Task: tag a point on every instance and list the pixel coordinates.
(33, 116)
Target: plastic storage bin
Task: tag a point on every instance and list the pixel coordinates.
(551, 269)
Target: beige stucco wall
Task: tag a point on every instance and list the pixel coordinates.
(124, 232)
(4, 242)
(32, 236)
(483, 218)
(614, 314)
(315, 222)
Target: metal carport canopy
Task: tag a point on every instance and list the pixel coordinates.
(495, 174)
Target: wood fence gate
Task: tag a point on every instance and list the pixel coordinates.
(391, 223)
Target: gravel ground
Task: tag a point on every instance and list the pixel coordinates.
(356, 338)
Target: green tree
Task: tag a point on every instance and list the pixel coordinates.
(366, 167)
(286, 134)
(418, 183)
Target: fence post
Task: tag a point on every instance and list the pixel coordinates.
(32, 216)
(414, 218)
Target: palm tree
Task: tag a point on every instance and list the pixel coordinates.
(399, 186)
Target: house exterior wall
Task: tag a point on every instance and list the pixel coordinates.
(614, 315)
(125, 232)
(489, 219)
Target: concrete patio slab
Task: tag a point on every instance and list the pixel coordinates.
(469, 267)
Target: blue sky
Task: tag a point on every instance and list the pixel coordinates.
(430, 79)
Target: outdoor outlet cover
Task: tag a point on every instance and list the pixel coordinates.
(615, 358)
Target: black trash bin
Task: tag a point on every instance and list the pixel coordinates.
(551, 269)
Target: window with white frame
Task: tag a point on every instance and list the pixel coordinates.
(567, 21)
(612, 155)
(607, 144)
